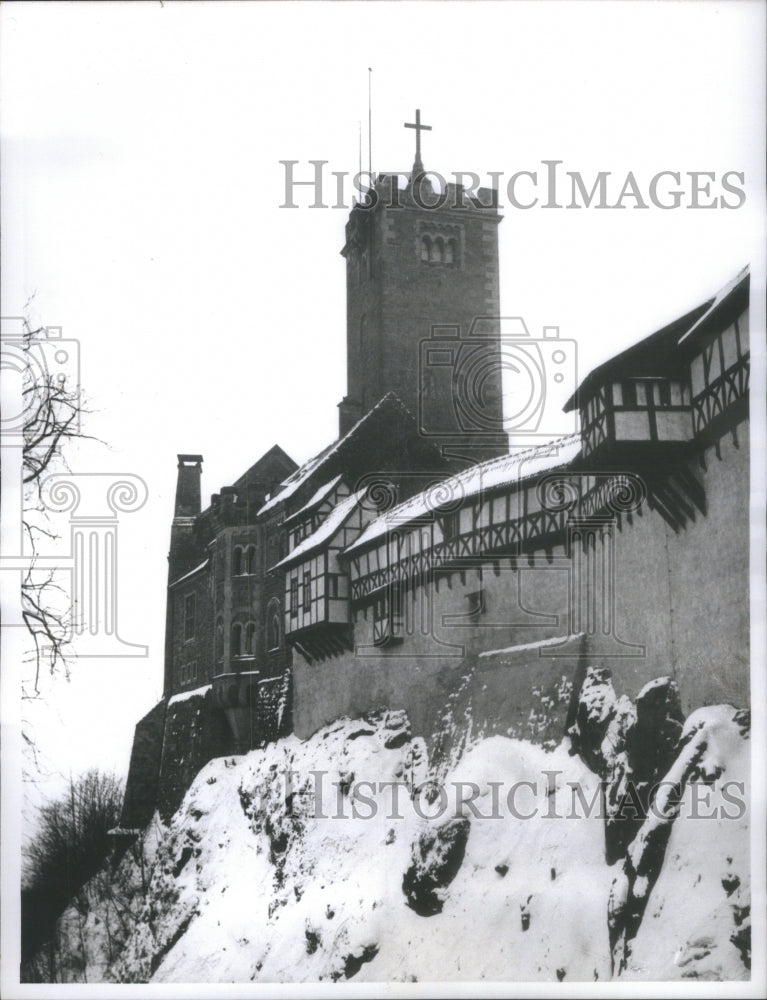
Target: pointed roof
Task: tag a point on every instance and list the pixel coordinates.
(660, 352)
(272, 464)
(370, 436)
(332, 523)
(316, 499)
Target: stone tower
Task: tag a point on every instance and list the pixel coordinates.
(422, 303)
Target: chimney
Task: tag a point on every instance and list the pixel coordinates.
(188, 499)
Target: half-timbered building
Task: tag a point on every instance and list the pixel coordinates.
(392, 571)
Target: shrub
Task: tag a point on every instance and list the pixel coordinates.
(71, 844)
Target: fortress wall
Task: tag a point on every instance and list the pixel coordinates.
(143, 774)
(700, 572)
(439, 656)
(710, 585)
(195, 732)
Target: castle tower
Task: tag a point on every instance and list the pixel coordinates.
(421, 269)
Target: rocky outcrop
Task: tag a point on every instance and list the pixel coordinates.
(629, 745)
(653, 765)
(436, 857)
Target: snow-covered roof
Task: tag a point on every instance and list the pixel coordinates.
(558, 640)
(316, 499)
(657, 354)
(326, 530)
(191, 572)
(723, 294)
(299, 477)
(493, 474)
(198, 692)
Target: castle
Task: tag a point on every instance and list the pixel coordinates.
(418, 563)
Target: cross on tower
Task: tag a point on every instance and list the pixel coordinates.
(418, 165)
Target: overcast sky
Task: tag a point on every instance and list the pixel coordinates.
(141, 212)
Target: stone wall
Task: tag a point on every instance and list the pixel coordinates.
(195, 732)
(144, 771)
(681, 610)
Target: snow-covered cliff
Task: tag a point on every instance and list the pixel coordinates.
(337, 857)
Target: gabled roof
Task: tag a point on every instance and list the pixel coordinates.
(272, 463)
(332, 523)
(316, 499)
(389, 407)
(486, 477)
(732, 291)
(650, 357)
(191, 572)
(659, 353)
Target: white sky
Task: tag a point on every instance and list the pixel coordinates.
(141, 193)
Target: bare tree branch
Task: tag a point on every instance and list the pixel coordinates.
(54, 406)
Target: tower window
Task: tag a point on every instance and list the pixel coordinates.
(250, 560)
(190, 607)
(236, 649)
(294, 597)
(250, 638)
(439, 247)
(307, 591)
(237, 561)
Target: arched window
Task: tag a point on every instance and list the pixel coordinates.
(450, 252)
(250, 560)
(219, 639)
(236, 649)
(237, 561)
(438, 250)
(250, 638)
(273, 624)
(425, 248)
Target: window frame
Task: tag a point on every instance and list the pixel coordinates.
(237, 560)
(250, 560)
(190, 619)
(235, 644)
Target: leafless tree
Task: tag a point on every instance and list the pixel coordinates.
(53, 408)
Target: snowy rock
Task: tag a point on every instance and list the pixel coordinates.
(680, 907)
(437, 856)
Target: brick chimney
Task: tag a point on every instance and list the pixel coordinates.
(188, 503)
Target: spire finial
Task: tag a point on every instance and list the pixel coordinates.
(418, 164)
